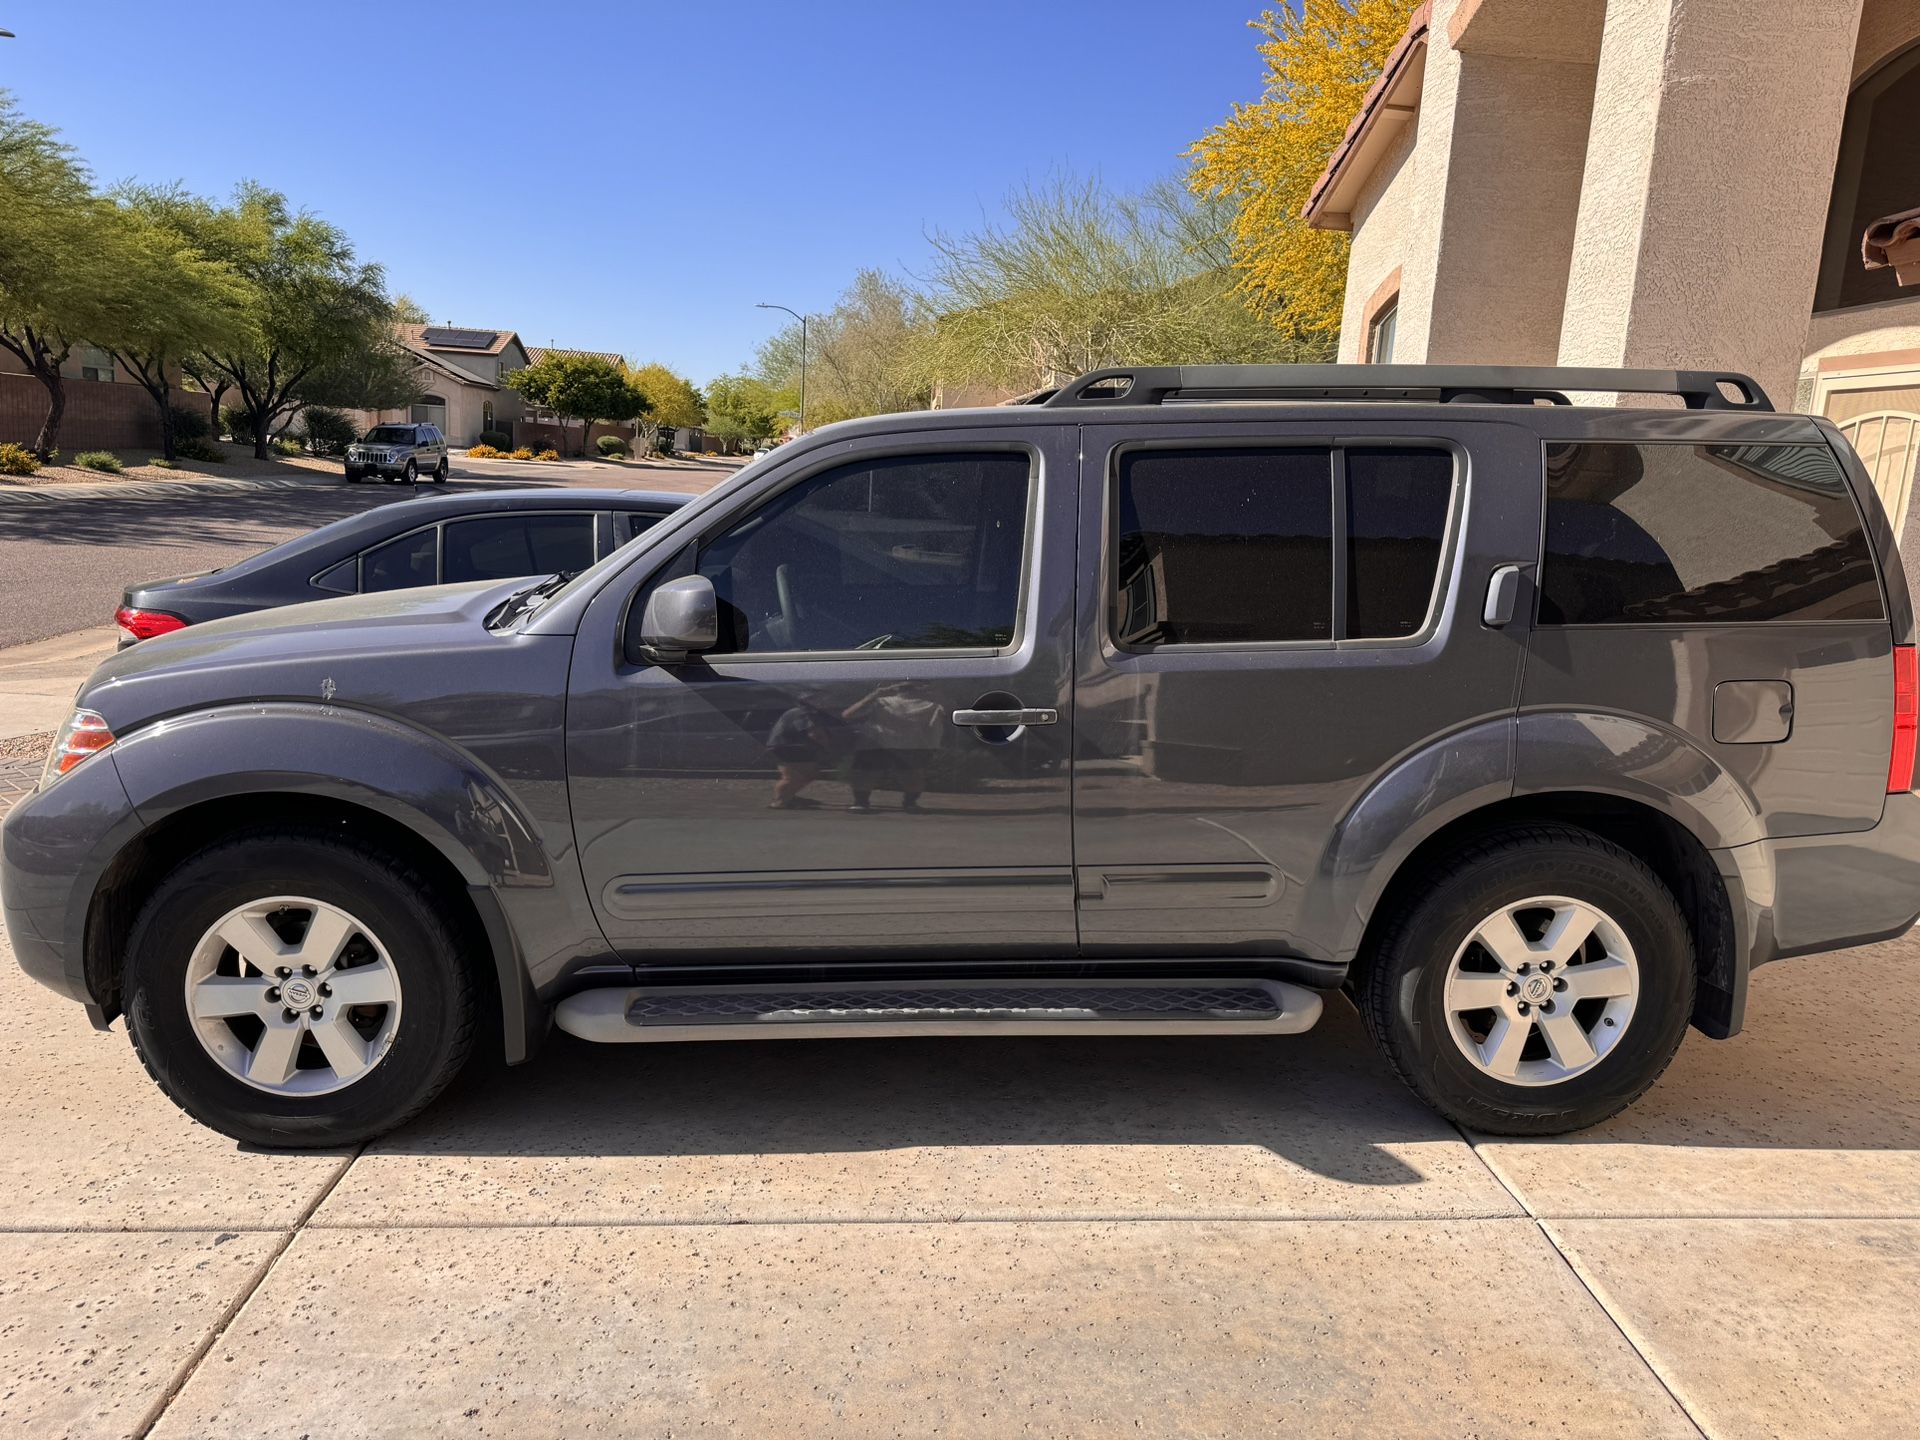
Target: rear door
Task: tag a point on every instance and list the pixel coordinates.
(1272, 615)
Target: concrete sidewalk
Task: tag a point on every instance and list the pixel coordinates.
(975, 1238)
(38, 681)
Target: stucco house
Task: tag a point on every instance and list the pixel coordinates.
(1647, 182)
(460, 372)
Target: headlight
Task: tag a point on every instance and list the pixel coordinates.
(84, 734)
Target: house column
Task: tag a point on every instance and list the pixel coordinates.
(1715, 126)
(1509, 89)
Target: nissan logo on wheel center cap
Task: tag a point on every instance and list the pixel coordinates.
(1538, 987)
(297, 993)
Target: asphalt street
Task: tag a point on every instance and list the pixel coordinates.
(64, 562)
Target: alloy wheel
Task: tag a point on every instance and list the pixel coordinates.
(293, 996)
(1541, 990)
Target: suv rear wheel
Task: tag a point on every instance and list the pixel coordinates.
(1539, 982)
(297, 988)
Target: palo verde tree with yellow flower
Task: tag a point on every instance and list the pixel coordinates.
(1264, 157)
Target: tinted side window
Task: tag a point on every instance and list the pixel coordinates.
(903, 552)
(399, 564)
(1397, 502)
(634, 524)
(341, 579)
(1702, 534)
(499, 547)
(1223, 546)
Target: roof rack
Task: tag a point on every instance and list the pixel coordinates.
(1442, 384)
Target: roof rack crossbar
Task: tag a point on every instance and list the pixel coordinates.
(1443, 384)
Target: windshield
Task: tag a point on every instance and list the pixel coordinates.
(390, 435)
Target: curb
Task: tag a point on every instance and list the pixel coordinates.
(159, 489)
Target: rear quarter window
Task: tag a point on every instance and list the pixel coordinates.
(1640, 534)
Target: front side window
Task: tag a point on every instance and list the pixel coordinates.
(911, 552)
(400, 564)
(1702, 534)
(501, 547)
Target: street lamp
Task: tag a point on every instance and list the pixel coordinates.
(762, 305)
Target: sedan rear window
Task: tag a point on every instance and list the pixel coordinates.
(501, 547)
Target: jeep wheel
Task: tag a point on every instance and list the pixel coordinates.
(1539, 982)
(294, 988)
(411, 474)
(440, 472)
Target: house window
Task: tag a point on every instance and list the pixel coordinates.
(1874, 176)
(96, 364)
(1380, 333)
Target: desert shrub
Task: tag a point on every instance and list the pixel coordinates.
(18, 460)
(205, 451)
(612, 446)
(189, 424)
(483, 452)
(522, 453)
(237, 423)
(288, 446)
(548, 454)
(328, 432)
(160, 462)
(105, 461)
(498, 439)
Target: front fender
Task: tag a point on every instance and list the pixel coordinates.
(410, 776)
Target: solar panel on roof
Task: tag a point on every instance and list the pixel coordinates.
(460, 339)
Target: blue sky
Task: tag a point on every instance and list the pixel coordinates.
(631, 176)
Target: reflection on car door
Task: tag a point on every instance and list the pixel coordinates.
(824, 780)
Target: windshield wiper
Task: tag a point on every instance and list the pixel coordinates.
(525, 602)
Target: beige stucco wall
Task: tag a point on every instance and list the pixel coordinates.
(1707, 180)
(1519, 144)
(1886, 28)
(1379, 243)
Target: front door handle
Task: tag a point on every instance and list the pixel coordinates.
(1008, 719)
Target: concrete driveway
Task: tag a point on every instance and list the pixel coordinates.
(980, 1238)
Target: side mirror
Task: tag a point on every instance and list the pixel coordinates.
(682, 618)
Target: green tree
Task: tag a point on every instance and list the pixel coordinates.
(742, 409)
(185, 302)
(1320, 57)
(1079, 278)
(312, 306)
(863, 356)
(579, 387)
(62, 258)
(672, 403)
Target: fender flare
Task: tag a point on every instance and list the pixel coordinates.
(416, 779)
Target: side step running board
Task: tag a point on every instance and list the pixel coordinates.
(939, 1007)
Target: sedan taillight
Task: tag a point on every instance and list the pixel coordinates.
(145, 624)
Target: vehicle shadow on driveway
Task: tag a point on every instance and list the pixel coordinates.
(1323, 1101)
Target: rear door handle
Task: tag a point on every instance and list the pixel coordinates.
(1503, 597)
(1007, 718)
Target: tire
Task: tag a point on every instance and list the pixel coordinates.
(411, 1049)
(354, 477)
(1416, 1013)
(411, 474)
(440, 472)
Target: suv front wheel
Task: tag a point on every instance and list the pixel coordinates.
(1538, 982)
(294, 987)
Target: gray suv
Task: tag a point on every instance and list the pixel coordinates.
(1167, 705)
(399, 452)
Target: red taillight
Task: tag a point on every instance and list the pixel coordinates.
(1906, 718)
(145, 624)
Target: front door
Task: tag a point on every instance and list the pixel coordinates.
(838, 776)
(1271, 618)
